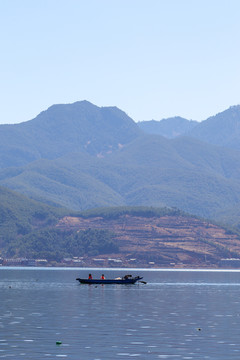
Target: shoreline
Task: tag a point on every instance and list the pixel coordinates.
(119, 269)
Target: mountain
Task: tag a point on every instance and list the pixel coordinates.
(222, 129)
(62, 129)
(121, 165)
(169, 128)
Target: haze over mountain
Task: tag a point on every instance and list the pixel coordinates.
(81, 156)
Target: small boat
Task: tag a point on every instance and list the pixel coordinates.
(127, 279)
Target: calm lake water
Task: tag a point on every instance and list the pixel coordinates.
(176, 315)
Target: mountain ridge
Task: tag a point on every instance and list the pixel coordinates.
(81, 126)
(169, 128)
(222, 129)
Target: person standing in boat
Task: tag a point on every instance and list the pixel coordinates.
(90, 277)
(102, 277)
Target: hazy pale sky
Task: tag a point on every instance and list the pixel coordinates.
(151, 58)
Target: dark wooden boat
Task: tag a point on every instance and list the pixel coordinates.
(127, 279)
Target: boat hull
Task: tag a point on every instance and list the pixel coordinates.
(109, 281)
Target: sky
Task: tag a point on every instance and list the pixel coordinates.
(153, 59)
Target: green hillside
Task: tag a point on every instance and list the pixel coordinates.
(28, 229)
(19, 216)
(150, 171)
(32, 230)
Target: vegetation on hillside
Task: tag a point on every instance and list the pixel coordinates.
(27, 229)
(54, 244)
(151, 171)
(142, 211)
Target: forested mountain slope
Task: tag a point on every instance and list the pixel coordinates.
(150, 171)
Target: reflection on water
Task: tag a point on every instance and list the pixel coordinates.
(177, 315)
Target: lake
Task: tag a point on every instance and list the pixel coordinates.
(176, 315)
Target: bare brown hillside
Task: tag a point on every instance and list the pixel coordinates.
(163, 241)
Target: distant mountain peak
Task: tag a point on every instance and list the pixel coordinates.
(64, 128)
(222, 129)
(76, 104)
(169, 128)
(235, 107)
